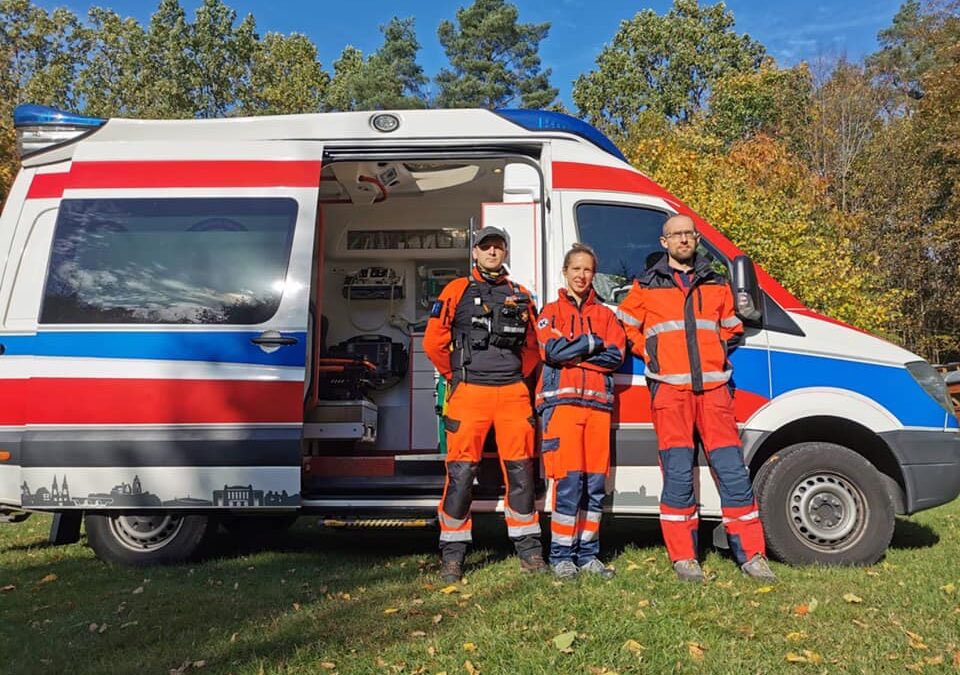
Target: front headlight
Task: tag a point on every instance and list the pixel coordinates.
(932, 383)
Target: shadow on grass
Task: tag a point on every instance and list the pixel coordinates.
(909, 534)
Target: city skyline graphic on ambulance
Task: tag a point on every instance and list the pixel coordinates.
(132, 494)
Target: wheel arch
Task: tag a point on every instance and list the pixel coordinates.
(841, 431)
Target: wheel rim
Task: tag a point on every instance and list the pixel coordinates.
(827, 510)
(145, 533)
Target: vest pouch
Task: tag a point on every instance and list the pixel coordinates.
(508, 327)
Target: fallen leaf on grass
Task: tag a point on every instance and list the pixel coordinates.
(861, 624)
(199, 664)
(470, 668)
(138, 590)
(418, 634)
(724, 584)
(469, 647)
(7, 588)
(129, 624)
(634, 646)
(806, 656)
(93, 627)
(564, 641)
(796, 636)
(449, 589)
(696, 651)
(328, 665)
(431, 650)
(914, 644)
(801, 610)
(956, 659)
(643, 603)
(851, 598)
(47, 579)
(933, 660)
(764, 589)
(949, 589)
(103, 629)
(390, 610)
(437, 618)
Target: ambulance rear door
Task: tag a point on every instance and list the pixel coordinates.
(170, 342)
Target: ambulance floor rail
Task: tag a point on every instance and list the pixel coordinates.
(377, 522)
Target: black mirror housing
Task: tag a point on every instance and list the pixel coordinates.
(747, 300)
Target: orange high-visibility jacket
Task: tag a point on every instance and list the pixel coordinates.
(449, 326)
(580, 347)
(683, 335)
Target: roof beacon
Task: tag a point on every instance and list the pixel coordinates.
(39, 127)
(545, 120)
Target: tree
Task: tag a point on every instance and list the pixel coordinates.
(667, 64)
(772, 101)
(768, 202)
(494, 60)
(220, 57)
(286, 77)
(167, 69)
(110, 81)
(389, 78)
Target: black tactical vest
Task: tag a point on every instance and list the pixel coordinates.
(489, 329)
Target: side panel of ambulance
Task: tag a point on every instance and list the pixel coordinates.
(154, 327)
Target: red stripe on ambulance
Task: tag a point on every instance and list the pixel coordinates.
(147, 401)
(176, 174)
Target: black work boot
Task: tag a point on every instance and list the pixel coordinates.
(533, 562)
(451, 570)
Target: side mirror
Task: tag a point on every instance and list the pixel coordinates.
(746, 289)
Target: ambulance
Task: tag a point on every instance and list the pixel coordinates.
(220, 322)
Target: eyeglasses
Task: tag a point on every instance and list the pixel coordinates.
(683, 234)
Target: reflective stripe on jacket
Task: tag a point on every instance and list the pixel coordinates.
(580, 347)
(683, 335)
(449, 322)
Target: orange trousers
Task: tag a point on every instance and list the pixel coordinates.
(576, 455)
(676, 413)
(471, 410)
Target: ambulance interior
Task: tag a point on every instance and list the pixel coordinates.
(393, 232)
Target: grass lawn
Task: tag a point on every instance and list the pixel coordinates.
(370, 601)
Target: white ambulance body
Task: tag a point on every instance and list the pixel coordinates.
(207, 319)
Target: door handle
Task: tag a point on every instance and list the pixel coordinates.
(272, 340)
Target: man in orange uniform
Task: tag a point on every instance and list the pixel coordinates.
(679, 317)
(481, 339)
(581, 343)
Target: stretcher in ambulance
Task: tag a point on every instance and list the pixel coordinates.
(210, 322)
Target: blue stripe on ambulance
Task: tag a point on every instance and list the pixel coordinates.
(184, 345)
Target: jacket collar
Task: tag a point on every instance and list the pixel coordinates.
(701, 267)
(590, 299)
(475, 274)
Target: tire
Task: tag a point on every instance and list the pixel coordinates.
(146, 539)
(823, 503)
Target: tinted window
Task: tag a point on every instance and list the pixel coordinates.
(627, 241)
(624, 237)
(197, 260)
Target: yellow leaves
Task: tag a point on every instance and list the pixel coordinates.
(437, 618)
(806, 656)
(469, 647)
(764, 589)
(390, 610)
(564, 641)
(634, 647)
(470, 668)
(47, 579)
(851, 598)
(796, 636)
(949, 589)
(447, 590)
(697, 651)
(328, 665)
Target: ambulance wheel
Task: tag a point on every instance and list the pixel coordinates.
(147, 538)
(823, 503)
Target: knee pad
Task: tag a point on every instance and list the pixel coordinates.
(677, 465)
(460, 477)
(520, 484)
(733, 481)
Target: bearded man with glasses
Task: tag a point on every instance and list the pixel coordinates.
(679, 317)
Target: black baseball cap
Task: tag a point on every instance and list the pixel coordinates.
(487, 232)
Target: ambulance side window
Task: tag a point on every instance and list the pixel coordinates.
(168, 260)
(626, 238)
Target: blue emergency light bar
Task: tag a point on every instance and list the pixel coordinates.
(33, 115)
(40, 127)
(544, 120)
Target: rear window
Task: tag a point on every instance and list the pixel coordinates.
(173, 260)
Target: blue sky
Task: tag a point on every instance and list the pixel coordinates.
(791, 31)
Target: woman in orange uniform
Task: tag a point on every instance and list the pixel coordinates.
(581, 344)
